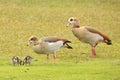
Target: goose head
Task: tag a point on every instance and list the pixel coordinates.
(32, 40)
(72, 21)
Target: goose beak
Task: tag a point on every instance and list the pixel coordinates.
(68, 25)
(28, 43)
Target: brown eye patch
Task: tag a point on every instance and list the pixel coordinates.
(34, 38)
(31, 39)
(71, 19)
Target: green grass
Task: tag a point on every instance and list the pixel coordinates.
(95, 70)
(19, 19)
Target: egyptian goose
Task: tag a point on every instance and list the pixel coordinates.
(47, 45)
(87, 34)
(27, 60)
(16, 60)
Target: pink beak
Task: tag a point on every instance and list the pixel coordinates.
(68, 24)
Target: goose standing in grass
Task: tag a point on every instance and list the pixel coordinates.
(47, 45)
(87, 34)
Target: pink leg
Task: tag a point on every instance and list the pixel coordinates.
(93, 52)
(54, 57)
(47, 59)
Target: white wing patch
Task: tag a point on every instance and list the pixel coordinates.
(55, 46)
(51, 43)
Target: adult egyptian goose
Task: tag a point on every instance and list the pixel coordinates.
(87, 34)
(47, 45)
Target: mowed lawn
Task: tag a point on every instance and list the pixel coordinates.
(93, 70)
(20, 19)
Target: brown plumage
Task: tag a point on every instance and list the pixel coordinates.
(106, 38)
(88, 35)
(53, 39)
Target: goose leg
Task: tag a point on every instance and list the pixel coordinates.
(54, 57)
(93, 51)
(47, 59)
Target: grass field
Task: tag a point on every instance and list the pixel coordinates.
(19, 19)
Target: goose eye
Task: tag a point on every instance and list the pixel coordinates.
(32, 39)
(71, 19)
